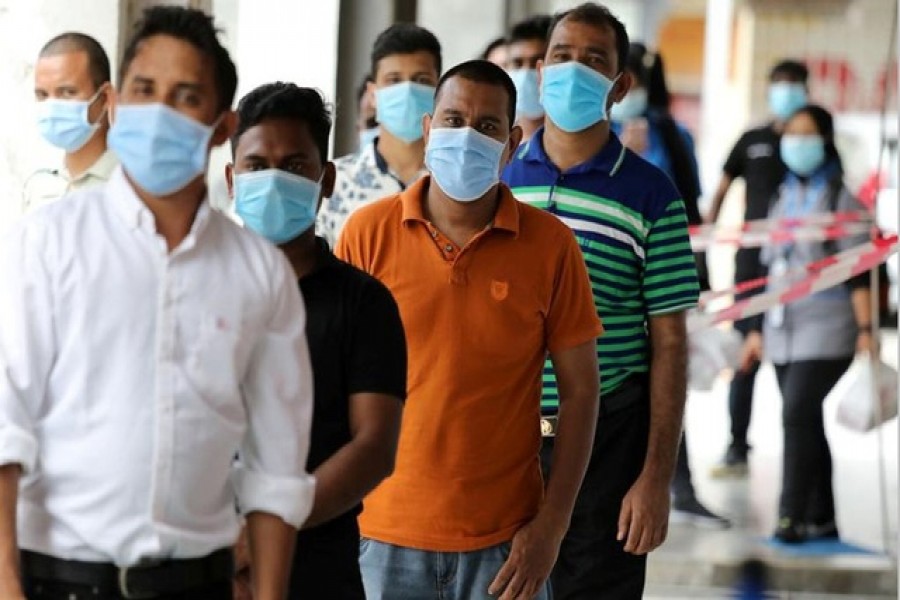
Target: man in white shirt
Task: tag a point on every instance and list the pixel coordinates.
(145, 340)
(72, 88)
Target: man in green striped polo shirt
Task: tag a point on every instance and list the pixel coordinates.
(630, 222)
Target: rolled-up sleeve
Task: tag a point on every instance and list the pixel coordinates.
(26, 343)
(270, 475)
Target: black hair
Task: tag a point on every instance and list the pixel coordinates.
(405, 38)
(192, 26)
(73, 41)
(533, 28)
(483, 71)
(825, 126)
(791, 69)
(599, 16)
(649, 71)
(493, 45)
(282, 100)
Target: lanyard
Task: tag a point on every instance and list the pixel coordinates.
(800, 201)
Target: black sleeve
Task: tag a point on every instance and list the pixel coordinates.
(378, 354)
(734, 164)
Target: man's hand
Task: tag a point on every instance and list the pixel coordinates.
(866, 344)
(531, 559)
(644, 516)
(752, 351)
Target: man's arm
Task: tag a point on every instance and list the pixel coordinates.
(719, 198)
(644, 517)
(536, 546)
(347, 476)
(10, 586)
(271, 542)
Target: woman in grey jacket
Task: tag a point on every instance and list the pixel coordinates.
(812, 341)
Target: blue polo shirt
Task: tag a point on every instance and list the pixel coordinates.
(631, 226)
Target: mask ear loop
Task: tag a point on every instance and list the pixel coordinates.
(90, 103)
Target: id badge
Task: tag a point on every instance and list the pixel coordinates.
(777, 271)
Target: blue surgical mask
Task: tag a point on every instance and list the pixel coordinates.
(161, 149)
(632, 106)
(803, 154)
(64, 123)
(367, 136)
(785, 98)
(574, 96)
(465, 164)
(400, 107)
(528, 94)
(276, 204)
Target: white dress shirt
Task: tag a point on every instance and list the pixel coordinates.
(131, 376)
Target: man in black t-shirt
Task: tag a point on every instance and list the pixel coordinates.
(756, 158)
(355, 335)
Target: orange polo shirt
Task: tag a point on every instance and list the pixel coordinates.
(479, 323)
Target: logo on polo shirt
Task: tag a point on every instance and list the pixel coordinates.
(499, 290)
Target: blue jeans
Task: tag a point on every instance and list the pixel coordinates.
(396, 573)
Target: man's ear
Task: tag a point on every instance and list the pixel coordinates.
(329, 176)
(225, 129)
(229, 179)
(515, 138)
(426, 127)
(621, 87)
(112, 100)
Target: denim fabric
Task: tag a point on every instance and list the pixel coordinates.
(395, 573)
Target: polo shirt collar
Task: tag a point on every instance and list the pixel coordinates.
(608, 160)
(101, 169)
(506, 217)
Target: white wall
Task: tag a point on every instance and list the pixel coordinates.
(25, 25)
(275, 40)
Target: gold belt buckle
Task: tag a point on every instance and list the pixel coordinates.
(548, 426)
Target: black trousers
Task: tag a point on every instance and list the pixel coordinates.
(326, 563)
(54, 590)
(806, 487)
(740, 392)
(592, 564)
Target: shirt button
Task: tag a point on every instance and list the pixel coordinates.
(448, 248)
(433, 233)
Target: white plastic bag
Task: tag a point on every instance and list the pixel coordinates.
(710, 350)
(855, 408)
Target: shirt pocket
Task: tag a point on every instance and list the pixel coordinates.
(213, 366)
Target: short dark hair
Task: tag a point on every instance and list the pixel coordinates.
(483, 71)
(280, 100)
(825, 126)
(405, 38)
(192, 26)
(598, 16)
(533, 28)
(73, 41)
(493, 45)
(792, 69)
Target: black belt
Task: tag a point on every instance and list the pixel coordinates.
(146, 580)
(631, 391)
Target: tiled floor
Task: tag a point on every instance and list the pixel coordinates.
(696, 563)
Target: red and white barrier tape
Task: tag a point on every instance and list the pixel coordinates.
(842, 267)
(753, 234)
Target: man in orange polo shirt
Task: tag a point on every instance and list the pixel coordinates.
(487, 288)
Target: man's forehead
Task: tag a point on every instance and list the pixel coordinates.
(579, 33)
(459, 93)
(287, 136)
(171, 54)
(70, 60)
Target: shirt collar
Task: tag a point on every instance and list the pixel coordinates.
(135, 214)
(608, 160)
(506, 217)
(101, 169)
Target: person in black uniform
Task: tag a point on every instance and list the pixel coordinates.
(355, 335)
(755, 157)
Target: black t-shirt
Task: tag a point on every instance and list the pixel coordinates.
(756, 157)
(356, 344)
